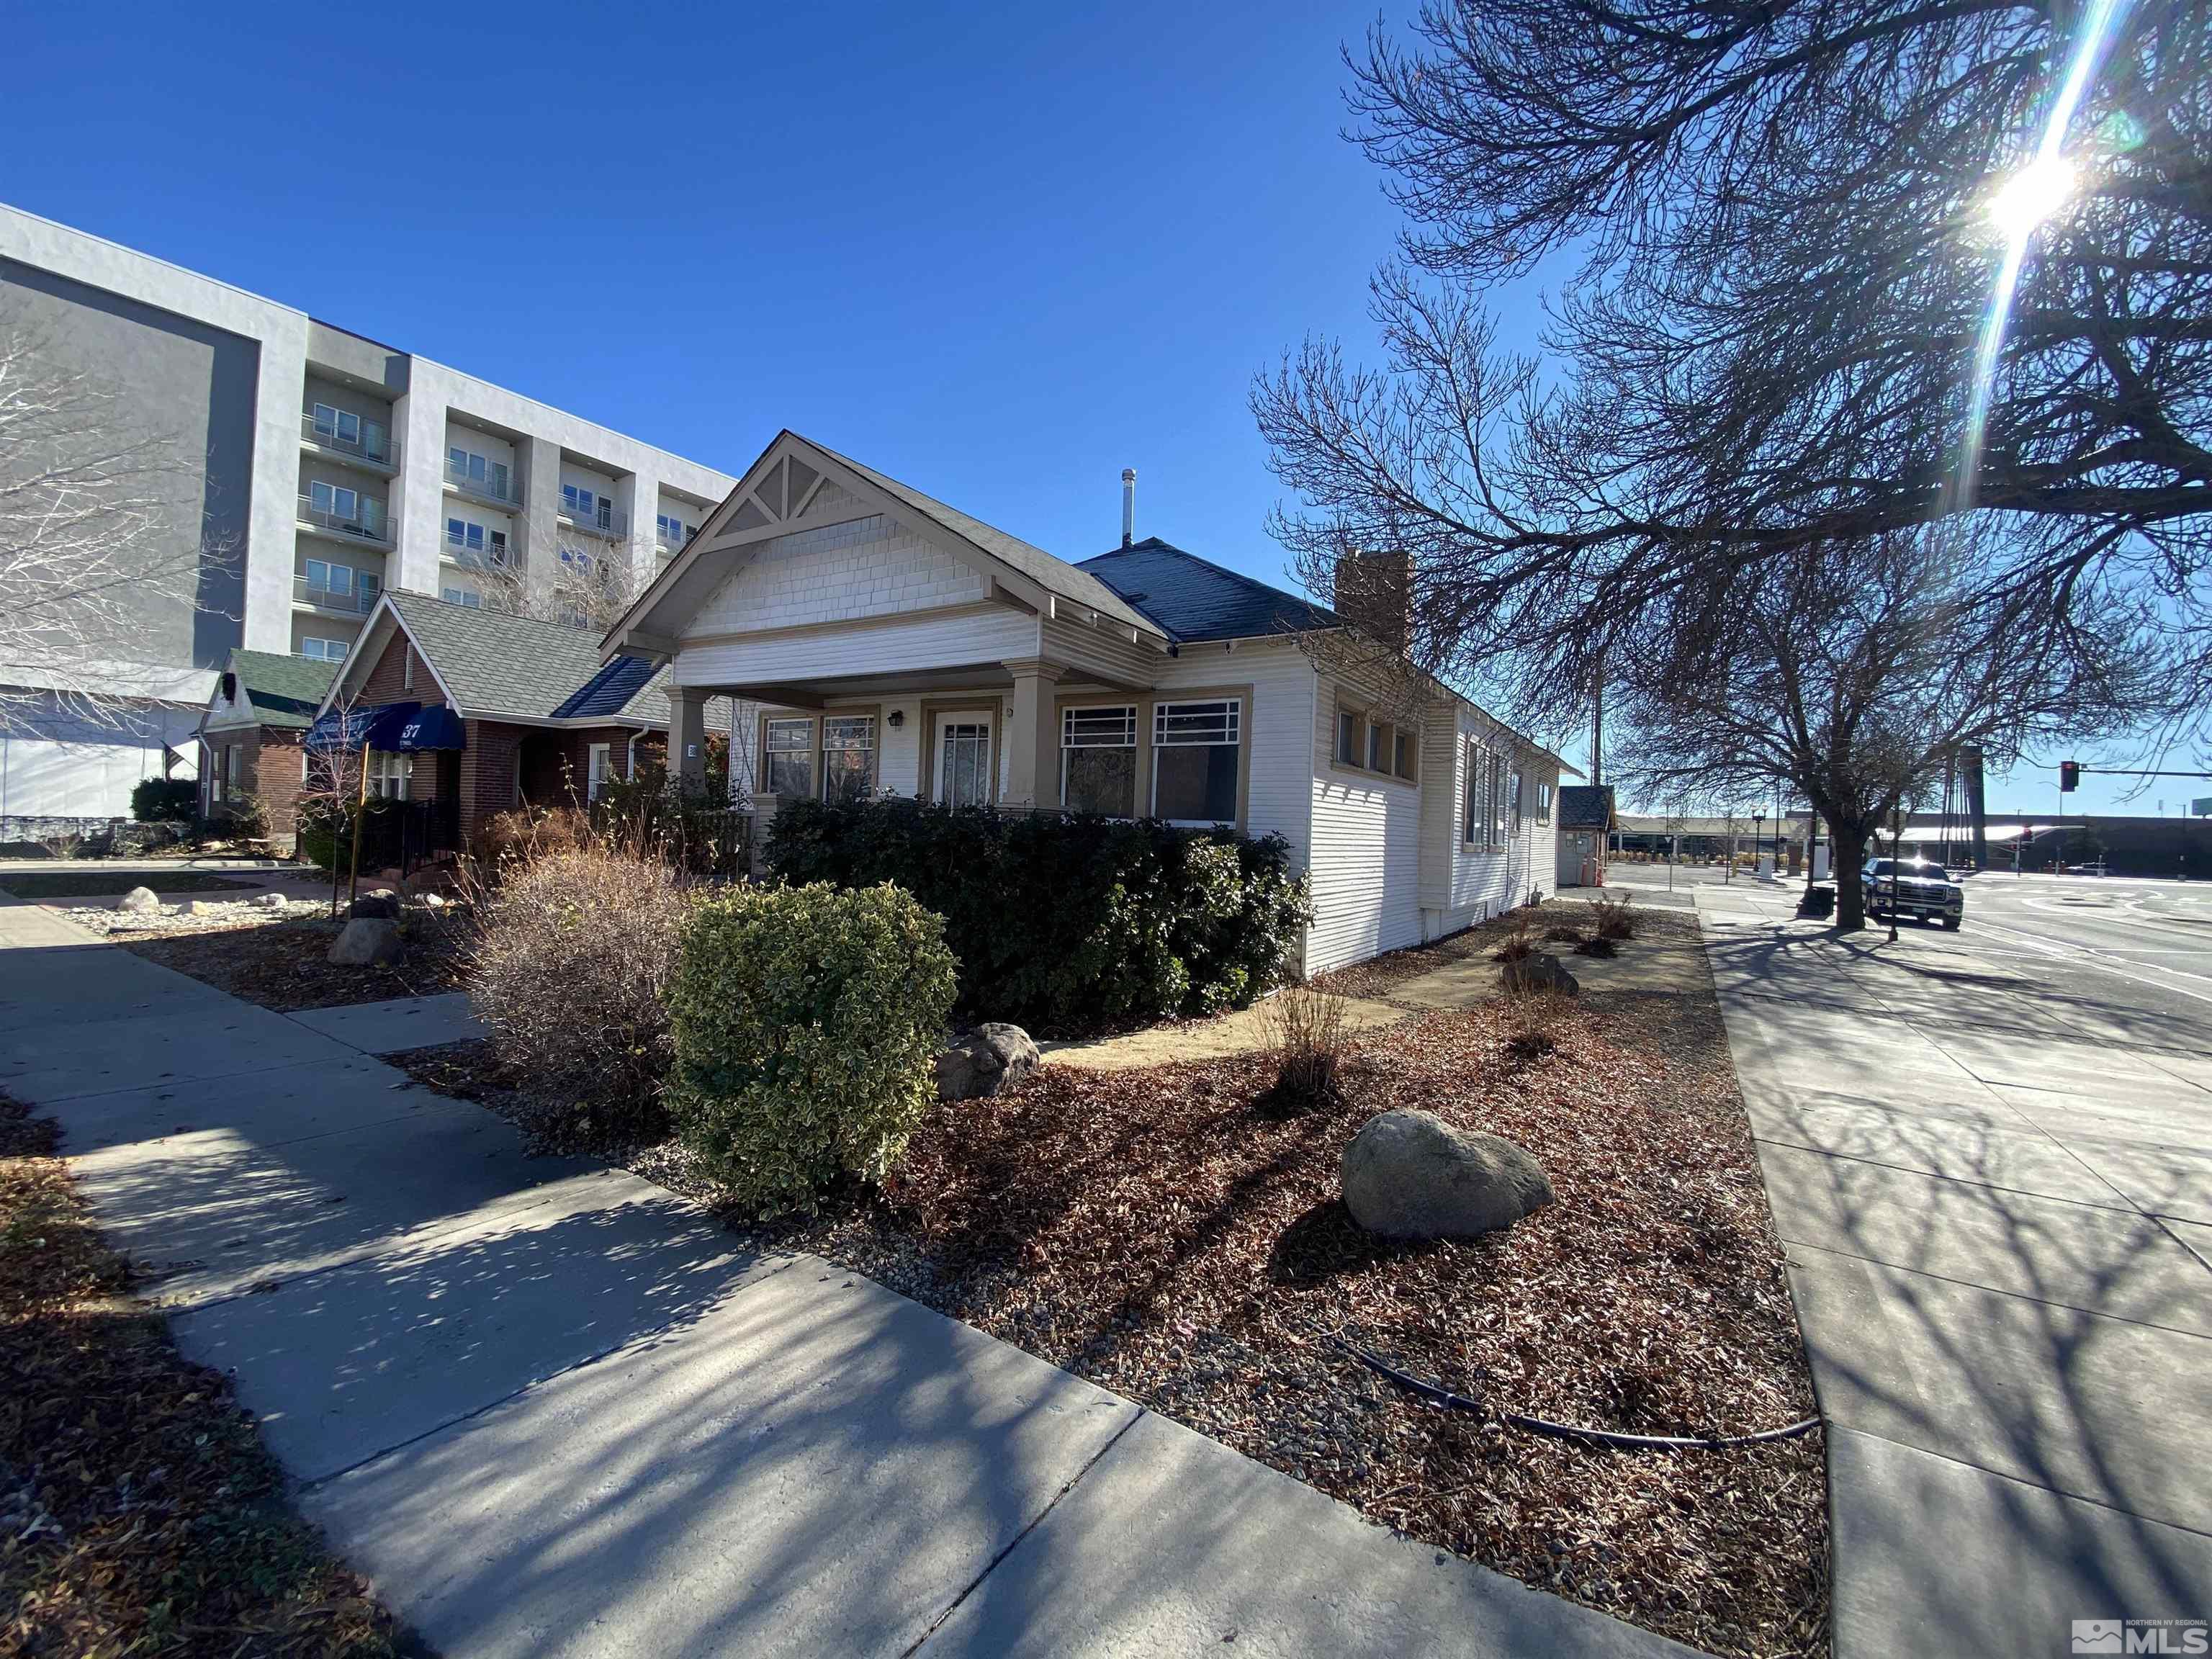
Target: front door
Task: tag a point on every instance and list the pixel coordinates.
(963, 757)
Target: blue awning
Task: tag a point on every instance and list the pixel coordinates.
(362, 729)
(435, 727)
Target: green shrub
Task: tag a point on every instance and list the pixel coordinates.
(1068, 924)
(806, 1020)
(164, 800)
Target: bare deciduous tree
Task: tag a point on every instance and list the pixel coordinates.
(584, 588)
(92, 551)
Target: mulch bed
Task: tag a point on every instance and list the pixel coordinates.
(1173, 1235)
(93, 882)
(282, 965)
(139, 1514)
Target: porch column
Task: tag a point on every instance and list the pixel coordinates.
(1033, 738)
(687, 738)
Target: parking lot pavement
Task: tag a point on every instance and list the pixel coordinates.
(1988, 1155)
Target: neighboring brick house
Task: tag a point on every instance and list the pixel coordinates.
(479, 712)
(249, 736)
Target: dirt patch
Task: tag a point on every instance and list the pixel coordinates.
(1166, 1234)
(139, 1512)
(39, 886)
(284, 965)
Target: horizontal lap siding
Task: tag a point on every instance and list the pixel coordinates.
(1485, 881)
(1366, 854)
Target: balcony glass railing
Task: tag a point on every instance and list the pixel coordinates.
(352, 601)
(491, 486)
(364, 441)
(600, 517)
(364, 521)
(476, 558)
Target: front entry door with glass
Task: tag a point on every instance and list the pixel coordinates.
(963, 758)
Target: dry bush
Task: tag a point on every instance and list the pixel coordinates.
(1531, 1021)
(574, 951)
(1564, 934)
(1597, 946)
(528, 833)
(1308, 1029)
(1612, 917)
(1519, 944)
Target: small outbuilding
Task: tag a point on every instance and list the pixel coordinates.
(1586, 818)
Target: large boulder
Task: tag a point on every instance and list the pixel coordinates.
(141, 902)
(380, 903)
(365, 941)
(1410, 1175)
(1540, 972)
(992, 1057)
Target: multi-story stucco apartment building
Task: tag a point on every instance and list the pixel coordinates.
(325, 467)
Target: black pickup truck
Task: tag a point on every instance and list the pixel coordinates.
(1923, 890)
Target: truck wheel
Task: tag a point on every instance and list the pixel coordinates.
(1951, 923)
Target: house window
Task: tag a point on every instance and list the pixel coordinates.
(1195, 751)
(1513, 800)
(1378, 748)
(790, 758)
(848, 756)
(1402, 757)
(1347, 737)
(233, 756)
(406, 670)
(1099, 760)
(388, 774)
(317, 650)
(1543, 803)
(1485, 798)
(601, 759)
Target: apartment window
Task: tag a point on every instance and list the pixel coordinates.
(790, 758)
(326, 422)
(496, 550)
(848, 756)
(1099, 760)
(317, 650)
(601, 759)
(1195, 752)
(349, 428)
(467, 598)
(388, 774)
(673, 530)
(579, 503)
(335, 500)
(464, 537)
(368, 585)
(1543, 803)
(333, 578)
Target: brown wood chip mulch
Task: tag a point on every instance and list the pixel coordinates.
(139, 1514)
(282, 965)
(1170, 1235)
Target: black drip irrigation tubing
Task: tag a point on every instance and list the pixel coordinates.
(1437, 1394)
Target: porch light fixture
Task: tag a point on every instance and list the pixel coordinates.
(895, 719)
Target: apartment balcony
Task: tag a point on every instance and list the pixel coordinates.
(349, 602)
(500, 491)
(357, 444)
(363, 525)
(492, 562)
(603, 521)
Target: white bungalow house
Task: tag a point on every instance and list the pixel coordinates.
(887, 642)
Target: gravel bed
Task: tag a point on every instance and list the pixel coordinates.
(280, 959)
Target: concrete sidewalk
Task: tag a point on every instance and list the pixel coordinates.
(552, 1411)
(1998, 1233)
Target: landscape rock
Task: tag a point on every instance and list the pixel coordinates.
(992, 1057)
(365, 941)
(380, 905)
(434, 901)
(1410, 1175)
(202, 906)
(1541, 972)
(267, 901)
(141, 902)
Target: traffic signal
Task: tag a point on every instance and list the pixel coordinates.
(2070, 777)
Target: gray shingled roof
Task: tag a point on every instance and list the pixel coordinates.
(1585, 807)
(497, 663)
(285, 692)
(1194, 598)
(1055, 575)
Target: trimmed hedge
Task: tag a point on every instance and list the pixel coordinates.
(806, 1023)
(1068, 924)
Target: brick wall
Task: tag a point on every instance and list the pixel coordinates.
(277, 770)
(387, 680)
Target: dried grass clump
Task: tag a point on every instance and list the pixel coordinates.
(1612, 917)
(506, 839)
(1532, 1018)
(1599, 946)
(1309, 1031)
(569, 966)
(1519, 944)
(1563, 934)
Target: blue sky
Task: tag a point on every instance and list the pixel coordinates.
(1000, 252)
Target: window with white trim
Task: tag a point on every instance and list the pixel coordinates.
(388, 774)
(1543, 803)
(599, 763)
(789, 761)
(1099, 760)
(1513, 798)
(848, 756)
(1347, 737)
(1481, 821)
(1197, 748)
(333, 578)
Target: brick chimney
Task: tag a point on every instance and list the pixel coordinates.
(1374, 594)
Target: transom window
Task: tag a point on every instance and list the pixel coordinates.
(1099, 760)
(848, 756)
(790, 757)
(1196, 750)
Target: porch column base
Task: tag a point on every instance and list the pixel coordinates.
(1033, 740)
